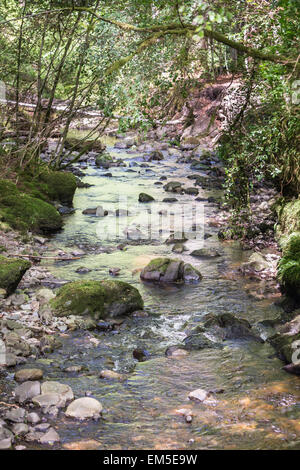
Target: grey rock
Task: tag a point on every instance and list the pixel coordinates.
(16, 415)
(20, 429)
(51, 437)
(143, 197)
(57, 387)
(25, 375)
(33, 418)
(84, 408)
(27, 390)
(47, 400)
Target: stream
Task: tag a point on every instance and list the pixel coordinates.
(260, 404)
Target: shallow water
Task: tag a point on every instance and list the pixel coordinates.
(260, 405)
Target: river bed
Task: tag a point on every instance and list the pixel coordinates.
(259, 407)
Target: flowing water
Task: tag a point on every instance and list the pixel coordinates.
(259, 408)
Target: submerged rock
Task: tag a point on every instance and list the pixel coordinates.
(168, 270)
(199, 395)
(99, 299)
(111, 375)
(199, 341)
(84, 408)
(11, 272)
(227, 327)
(206, 253)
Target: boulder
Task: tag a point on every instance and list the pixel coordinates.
(228, 327)
(168, 270)
(48, 400)
(27, 390)
(6, 438)
(24, 375)
(286, 343)
(155, 155)
(11, 272)
(59, 185)
(256, 262)
(20, 429)
(206, 253)
(173, 187)
(99, 299)
(111, 375)
(50, 437)
(57, 387)
(104, 160)
(198, 341)
(84, 408)
(16, 345)
(289, 267)
(15, 415)
(191, 191)
(143, 197)
(24, 212)
(199, 395)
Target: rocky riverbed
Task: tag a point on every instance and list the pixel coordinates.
(187, 363)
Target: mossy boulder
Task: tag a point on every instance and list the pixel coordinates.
(104, 161)
(166, 270)
(98, 299)
(60, 185)
(84, 145)
(24, 212)
(143, 197)
(11, 272)
(288, 218)
(289, 267)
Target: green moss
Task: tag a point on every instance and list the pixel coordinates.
(288, 272)
(98, 299)
(289, 219)
(85, 145)
(59, 186)
(48, 185)
(11, 273)
(23, 212)
(158, 264)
